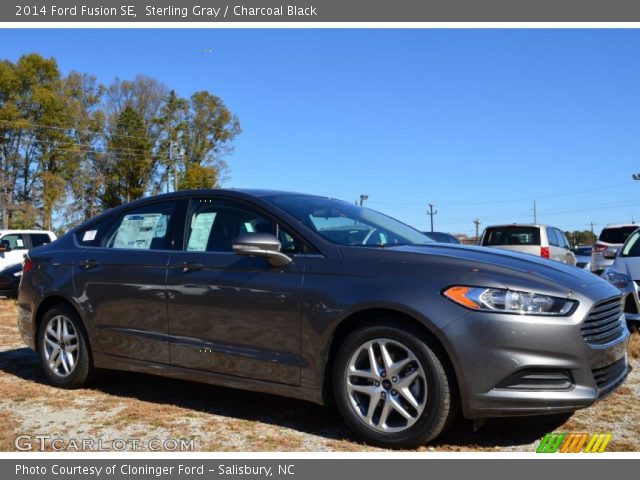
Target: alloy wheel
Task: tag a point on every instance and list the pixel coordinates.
(61, 346)
(386, 385)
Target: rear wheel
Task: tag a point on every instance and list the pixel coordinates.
(63, 348)
(391, 387)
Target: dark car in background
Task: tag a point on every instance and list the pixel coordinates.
(583, 256)
(322, 300)
(10, 280)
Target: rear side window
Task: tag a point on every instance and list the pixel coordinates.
(511, 235)
(562, 240)
(38, 239)
(616, 235)
(143, 228)
(553, 237)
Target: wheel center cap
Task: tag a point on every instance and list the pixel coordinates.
(386, 384)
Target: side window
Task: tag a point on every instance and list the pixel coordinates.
(143, 228)
(14, 241)
(38, 239)
(553, 239)
(563, 240)
(213, 224)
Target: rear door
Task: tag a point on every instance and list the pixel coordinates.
(120, 280)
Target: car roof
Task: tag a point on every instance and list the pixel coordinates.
(622, 225)
(536, 225)
(4, 232)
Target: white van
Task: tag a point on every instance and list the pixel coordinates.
(15, 243)
(542, 240)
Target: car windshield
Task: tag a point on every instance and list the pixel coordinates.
(346, 224)
(631, 248)
(617, 234)
(511, 235)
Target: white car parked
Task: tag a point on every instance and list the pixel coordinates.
(624, 273)
(15, 243)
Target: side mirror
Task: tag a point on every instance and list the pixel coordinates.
(5, 248)
(260, 245)
(610, 253)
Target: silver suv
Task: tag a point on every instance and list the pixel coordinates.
(542, 240)
(611, 237)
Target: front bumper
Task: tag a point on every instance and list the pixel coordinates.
(511, 365)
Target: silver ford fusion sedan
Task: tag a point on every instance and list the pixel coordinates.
(319, 299)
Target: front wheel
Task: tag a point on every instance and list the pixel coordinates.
(63, 348)
(391, 387)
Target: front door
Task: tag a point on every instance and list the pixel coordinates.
(232, 314)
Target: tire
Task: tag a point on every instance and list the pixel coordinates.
(73, 369)
(421, 388)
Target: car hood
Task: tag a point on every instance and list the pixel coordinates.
(493, 267)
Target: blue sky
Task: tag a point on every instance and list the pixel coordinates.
(478, 122)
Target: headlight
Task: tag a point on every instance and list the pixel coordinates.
(509, 301)
(616, 279)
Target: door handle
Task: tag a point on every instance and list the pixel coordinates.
(87, 264)
(191, 266)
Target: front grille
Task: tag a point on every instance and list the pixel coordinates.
(604, 323)
(607, 378)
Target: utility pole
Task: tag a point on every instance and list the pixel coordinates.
(363, 197)
(431, 213)
(175, 153)
(477, 224)
(592, 225)
(535, 213)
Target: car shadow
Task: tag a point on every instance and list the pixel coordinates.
(295, 414)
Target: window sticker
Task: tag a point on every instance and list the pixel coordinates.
(89, 235)
(19, 243)
(138, 230)
(201, 224)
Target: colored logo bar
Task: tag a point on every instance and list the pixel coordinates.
(561, 442)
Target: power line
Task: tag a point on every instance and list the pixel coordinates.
(67, 129)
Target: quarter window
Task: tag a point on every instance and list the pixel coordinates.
(553, 238)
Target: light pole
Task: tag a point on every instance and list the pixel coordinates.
(363, 197)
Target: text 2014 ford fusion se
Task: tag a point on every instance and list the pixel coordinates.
(319, 299)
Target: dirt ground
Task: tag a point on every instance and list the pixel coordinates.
(141, 407)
